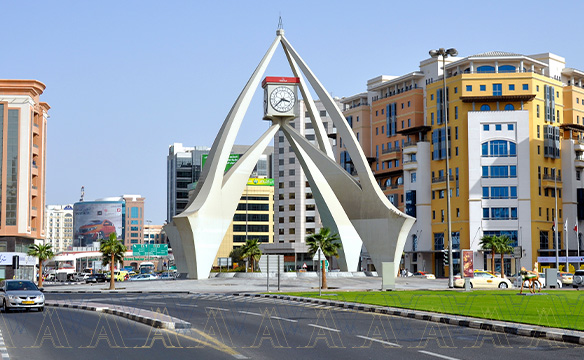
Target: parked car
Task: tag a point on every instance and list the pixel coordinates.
(566, 277)
(484, 279)
(143, 277)
(81, 276)
(425, 275)
(21, 294)
(95, 278)
(167, 276)
(578, 279)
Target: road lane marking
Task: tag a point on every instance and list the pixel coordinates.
(379, 341)
(216, 308)
(279, 318)
(188, 305)
(323, 327)
(211, 342)
(250, 313)
(437, 355)
(155, 302)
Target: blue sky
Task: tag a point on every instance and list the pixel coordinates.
(125, 79)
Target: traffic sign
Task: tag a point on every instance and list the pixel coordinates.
(150, 250)
(315, 257)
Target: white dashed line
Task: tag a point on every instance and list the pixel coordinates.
(323, 327)
(279, 318)
(379, 341)
(437, 355)
(216, 308)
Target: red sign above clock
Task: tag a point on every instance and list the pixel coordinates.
(280, 80)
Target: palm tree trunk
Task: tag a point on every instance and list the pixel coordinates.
(324, 285)
(493, 261)
(502, 267)
(40, 273)
(112, 284)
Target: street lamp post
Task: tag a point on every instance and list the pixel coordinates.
(435, 54)
(556, 224)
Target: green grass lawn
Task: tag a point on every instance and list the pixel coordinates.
(560, 309)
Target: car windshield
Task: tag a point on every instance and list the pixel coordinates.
(20, 285)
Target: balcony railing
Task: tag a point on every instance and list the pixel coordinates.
(391, 150)
(362, 103)
(552, 178)
(409, 161)
(410, 143)
(441, 179)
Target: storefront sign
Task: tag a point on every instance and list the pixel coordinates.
(25, 260)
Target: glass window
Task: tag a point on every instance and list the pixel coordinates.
(512, 149)
(509, 107)
(498, 127)
(507, 69)
(511, 87)
(510, 126)
(485, 171)
(513, 170)
(485, 192)
(483, 87)
(486, 69)
(469, 88)
(513, 191)
(485, 213)
(413, 177)
(486, 127)
(525, 87)
(485, 107)
(497, 89)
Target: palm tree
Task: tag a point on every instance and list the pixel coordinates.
(488, 243)
(42, 252)
(112, 251)
(251, 251)
(502, 246)
(236, 255)
(328, 243)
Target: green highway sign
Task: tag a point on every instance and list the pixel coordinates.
(150, 250)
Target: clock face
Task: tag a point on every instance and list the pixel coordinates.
(282, 99)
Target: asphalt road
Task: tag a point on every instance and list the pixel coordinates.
(77, 334)
(260, 328)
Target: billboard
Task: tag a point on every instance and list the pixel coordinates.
(96, 220)
(232, 160)
(468, 263)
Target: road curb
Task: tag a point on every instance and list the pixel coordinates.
(115, 292)
(527, 330)
(156, 319)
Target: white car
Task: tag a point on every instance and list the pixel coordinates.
(143, 277)
(424, 275)
(484, 279)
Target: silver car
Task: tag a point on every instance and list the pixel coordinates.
(21, 294)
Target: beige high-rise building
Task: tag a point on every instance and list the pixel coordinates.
(23, 121)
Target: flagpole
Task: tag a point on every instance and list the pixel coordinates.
(577, 243)
(566, 241)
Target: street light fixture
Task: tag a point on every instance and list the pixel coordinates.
(445, 54)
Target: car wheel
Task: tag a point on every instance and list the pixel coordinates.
(503, 285)
(4, 307)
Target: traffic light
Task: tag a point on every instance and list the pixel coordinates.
(445, 257)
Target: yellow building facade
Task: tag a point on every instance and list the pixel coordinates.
(253, 219)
